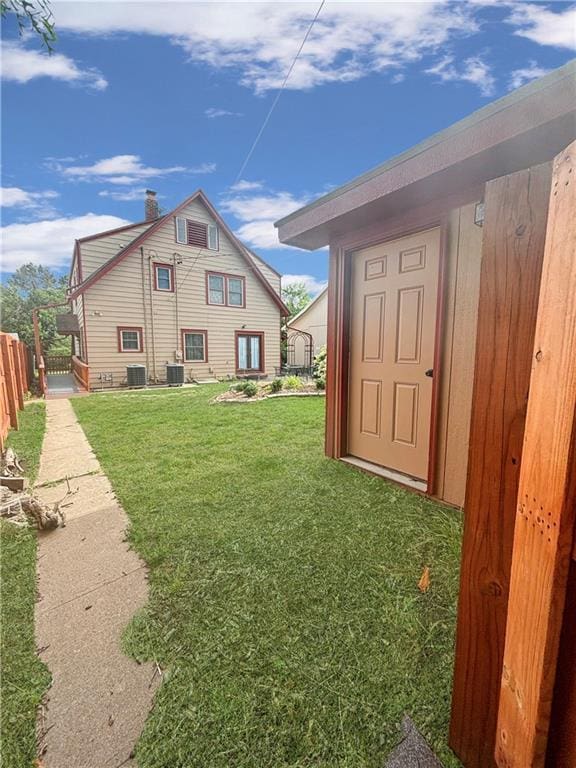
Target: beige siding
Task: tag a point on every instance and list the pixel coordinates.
(463, 257)
(77, 305)
(313, 321)
(123, 297)
(94, 253)
(270, 275)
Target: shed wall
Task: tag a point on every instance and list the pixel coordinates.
(462, 285)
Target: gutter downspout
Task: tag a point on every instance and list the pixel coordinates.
(152, 318)
(178, 335)
(144, 309)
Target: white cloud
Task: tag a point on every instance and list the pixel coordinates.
(259, 39)
(472, 70)
(214, 112)
(123, 169)
(313, 285)
(22, 65)
(246, 186)
(14, 197)
(545, 26)
(258, 214)
(525, 74)
(126, 195)
(50, 242)
(38, 204)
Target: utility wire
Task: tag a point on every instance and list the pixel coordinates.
(273, 106)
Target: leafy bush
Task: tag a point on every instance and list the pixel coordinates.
(250, 389)
(319, 372)
(276, 385)
(292, 382)
(240, 386)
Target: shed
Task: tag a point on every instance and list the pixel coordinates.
(436, 260)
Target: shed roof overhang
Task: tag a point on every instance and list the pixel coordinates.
(527, 127)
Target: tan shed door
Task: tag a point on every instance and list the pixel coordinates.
(392, 335)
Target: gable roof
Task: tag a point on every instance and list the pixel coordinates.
(117, 230)
(263, 261)
(99, 273)
(528, 126)
(308, 306)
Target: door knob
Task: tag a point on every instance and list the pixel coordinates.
(430, 373)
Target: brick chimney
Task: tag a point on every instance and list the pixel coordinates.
(151, 205)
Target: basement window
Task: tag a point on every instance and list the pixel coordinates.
(190, 232)
(164, 277)
(129, 339)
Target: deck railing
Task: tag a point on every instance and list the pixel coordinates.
(81, 372)
(58, 363)
(42, 376)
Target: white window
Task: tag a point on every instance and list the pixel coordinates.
(164, 276)
(181, 235)
(130, 339)
(235, 292)
(213, 238)
(216, 289)
(225, 290)
(194, 343)
(249, 351)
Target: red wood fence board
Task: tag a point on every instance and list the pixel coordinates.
(14, 382)
(546, 506)
(512, 253)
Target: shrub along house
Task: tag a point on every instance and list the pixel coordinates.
(178, 288)
(436, 259)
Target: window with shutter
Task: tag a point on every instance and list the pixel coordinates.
(189, 232)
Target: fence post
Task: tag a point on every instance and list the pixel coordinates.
(23, 368)
(18, 374)
(9, 380)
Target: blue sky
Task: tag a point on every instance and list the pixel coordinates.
(170, 95)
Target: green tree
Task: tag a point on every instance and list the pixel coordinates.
(36, 14)
(296, 297)
(31, 286)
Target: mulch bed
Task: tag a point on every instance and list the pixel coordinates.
(264, 393)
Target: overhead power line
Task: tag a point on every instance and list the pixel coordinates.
(277, 97)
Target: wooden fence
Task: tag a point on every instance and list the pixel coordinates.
(15, 380)
(58, 363)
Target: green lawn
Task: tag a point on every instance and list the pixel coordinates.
(284, 602)
(24, 677)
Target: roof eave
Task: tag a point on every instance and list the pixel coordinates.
(529, 108)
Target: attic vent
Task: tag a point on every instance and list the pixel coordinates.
(197, 234)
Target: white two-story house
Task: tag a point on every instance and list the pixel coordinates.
(177, 288)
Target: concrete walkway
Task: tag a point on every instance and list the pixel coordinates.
(90, 585)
